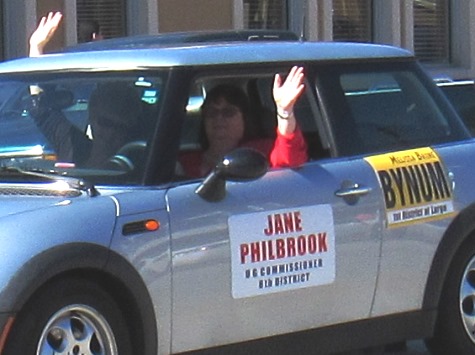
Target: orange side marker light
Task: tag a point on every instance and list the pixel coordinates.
(152, 225)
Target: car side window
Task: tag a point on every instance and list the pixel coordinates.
(383, 111)
(262, 115)
(307, 114)
(462, 96)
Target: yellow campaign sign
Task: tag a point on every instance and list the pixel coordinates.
(415, 185)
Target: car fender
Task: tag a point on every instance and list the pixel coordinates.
(461, 228)
(47, 265)
(87, 260)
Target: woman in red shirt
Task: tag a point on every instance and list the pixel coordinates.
(227, 124)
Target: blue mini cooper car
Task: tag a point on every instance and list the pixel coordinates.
(108, 247)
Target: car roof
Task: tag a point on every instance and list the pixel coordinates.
(173, 38)
(193, 54)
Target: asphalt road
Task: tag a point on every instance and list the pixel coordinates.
(416, 347)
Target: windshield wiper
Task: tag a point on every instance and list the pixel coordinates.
(14, 167)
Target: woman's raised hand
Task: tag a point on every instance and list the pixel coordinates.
(285, 96)
(287, 93)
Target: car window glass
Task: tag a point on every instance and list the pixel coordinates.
(8, 91)
(258, 89)
(385, 110)
(307, 114)
(462, 96)
(192, 130)
(92, 126)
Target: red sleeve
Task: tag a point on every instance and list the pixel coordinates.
(290, 150)
(190, 162)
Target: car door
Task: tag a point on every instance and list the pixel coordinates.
(293, 250)
(398, 121)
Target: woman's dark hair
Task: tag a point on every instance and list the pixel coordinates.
(236, 97)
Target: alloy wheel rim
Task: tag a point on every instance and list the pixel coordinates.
(77, 329)
(467, 299)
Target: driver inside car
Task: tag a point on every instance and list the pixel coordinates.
(113, 120)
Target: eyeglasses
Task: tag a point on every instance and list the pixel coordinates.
(225, 112)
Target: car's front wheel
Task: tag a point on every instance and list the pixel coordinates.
(455, 327)
(70, 317)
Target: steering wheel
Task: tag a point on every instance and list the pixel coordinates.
(130, 156)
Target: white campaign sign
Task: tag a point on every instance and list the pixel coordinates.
(282, 250)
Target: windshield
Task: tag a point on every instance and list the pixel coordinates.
(88, 125)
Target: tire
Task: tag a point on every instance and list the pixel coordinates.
(455, 325)
(70, 317)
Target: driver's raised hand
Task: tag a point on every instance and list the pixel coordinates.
(43, 33)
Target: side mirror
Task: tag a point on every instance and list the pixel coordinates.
(242, 164)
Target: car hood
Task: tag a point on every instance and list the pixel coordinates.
(18, 198)
(57, 219)
(19, 204)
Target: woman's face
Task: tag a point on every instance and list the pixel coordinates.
(224, 124)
